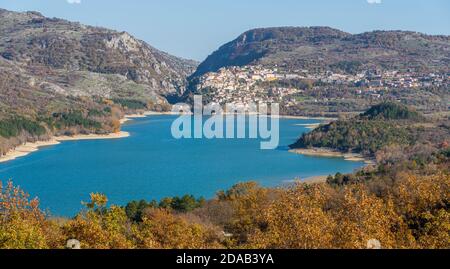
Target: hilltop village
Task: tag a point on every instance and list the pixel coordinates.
(265, 85)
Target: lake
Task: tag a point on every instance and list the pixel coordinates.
(151, 164)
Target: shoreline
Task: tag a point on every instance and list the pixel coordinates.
(315, 179)
(129, 117)
(145, 114)
(326, 119)
(30, 147)
(330, 153)
(308, 180)
(310, 126)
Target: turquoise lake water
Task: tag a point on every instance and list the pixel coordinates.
(150, 164)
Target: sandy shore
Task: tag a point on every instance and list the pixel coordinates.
(316, 179)
(28, 148)
(150, 113)
(131, 117)
(308, 118)
(310, 126)
(323, 152)
(92, 137)
(308, 180)
(145, 114)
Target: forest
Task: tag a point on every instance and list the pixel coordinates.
(384, 125)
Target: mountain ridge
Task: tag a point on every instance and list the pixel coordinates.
(33, 39)
(321, 47)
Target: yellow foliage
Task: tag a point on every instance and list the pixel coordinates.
(22, 224)
(100, 227)
(161, 229)
(116, 125)
(248, 202)
(423, 201)
(22, 233)
(362, 216)
(412, 213)
(296, 220)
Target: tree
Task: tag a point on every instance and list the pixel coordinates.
(297, 220)
(161, 229)
(361, 216)
(100, 227)
(423, 202)
(248, 202)
(22, 224)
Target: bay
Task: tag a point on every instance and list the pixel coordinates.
(151, 164)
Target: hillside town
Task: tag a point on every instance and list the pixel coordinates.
(263, 85)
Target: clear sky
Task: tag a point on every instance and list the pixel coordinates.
(195, 28)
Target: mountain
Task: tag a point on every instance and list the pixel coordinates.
(64, 78)
(324, 48)
(36, 41)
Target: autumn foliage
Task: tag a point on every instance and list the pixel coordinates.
(412, 211)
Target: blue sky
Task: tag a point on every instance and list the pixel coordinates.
(195, 28)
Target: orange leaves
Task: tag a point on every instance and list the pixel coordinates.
(423, 201)
(362, 216)
(296, 220)
(412, 213)
(248, 202)
(422, 193)
(115, 124)
(97, 233)
(319, 216)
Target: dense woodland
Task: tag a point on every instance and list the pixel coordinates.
(382, 126)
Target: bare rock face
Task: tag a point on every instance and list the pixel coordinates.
(123, 42)
(34, 40)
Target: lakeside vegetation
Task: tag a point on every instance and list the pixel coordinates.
(383, 126)
(405, 205)
(88, 116)
(402, 201)
(16, 130)
(14, 126)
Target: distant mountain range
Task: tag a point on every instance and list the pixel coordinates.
(324, 48)
(70, 58)
(42, 56)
